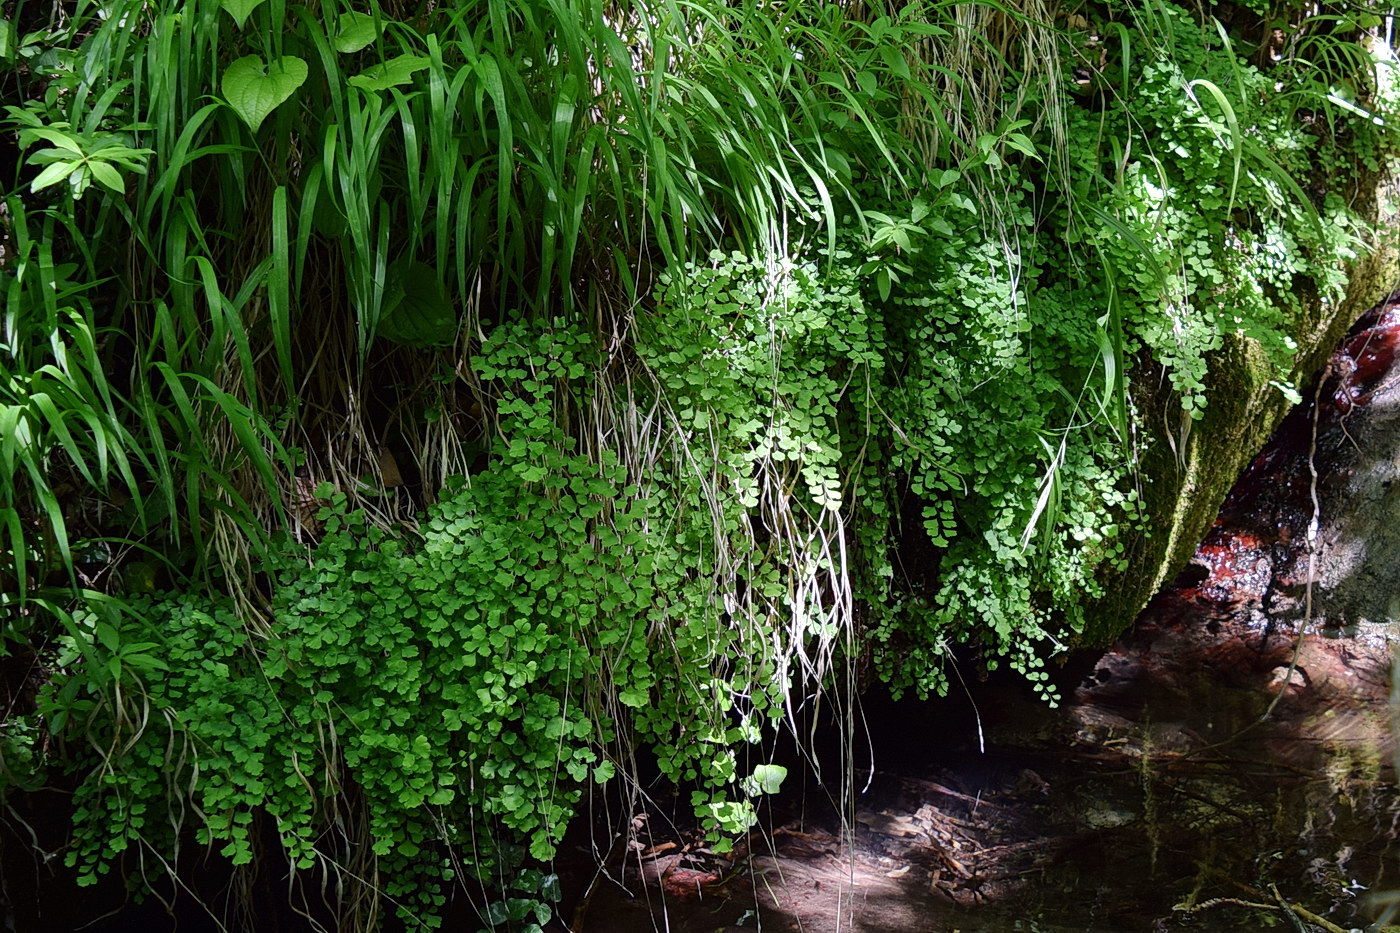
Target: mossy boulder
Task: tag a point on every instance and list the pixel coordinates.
(1188, 467)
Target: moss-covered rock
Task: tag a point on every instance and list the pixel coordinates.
(1188, 467)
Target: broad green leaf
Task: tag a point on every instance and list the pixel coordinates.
(1022, 144)
(45, 156)
(54, 174)
(7, 39)
(395, 71)
(254, 89)
(107, 635)
(354, 31)
(107, 176)
(417, 312)
(769, 778)
(240, 10)
(19, 549)
(57, 137)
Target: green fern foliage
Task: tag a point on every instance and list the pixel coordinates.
(411, 413)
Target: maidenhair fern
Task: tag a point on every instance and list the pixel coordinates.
(409, 412)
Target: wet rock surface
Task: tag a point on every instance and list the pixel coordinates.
(1227, 765)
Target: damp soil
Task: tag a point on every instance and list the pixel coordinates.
(1227, 765)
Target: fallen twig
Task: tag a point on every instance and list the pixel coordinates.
(937, 788)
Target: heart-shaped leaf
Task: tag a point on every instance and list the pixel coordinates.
(254, 88)
(417, 311)
(394, 72)
(769, 778)
(240, 10)
(354, 31)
